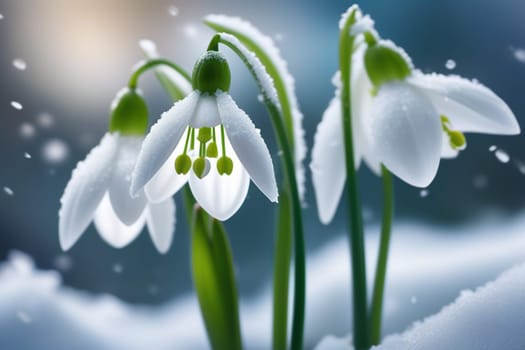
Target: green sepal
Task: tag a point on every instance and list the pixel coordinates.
(129, 113)
(225, 165)
(384, 64)
(211, 73)
(182, 164)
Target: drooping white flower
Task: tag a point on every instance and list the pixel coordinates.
(406, 123)
(208, 140)
(99, 191)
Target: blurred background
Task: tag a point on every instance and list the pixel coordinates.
(61, 63)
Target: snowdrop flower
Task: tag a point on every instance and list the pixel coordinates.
(99, 186)
(208, 140)
(403, 119)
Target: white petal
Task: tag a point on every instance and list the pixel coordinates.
(471, 107)
(405, 131)
(83, 193)
(221, 195)
(206, 113)
(446, 149)
(111, 229)
(166, 181)
(127, 208)
(328, 161)
(361, 111)
(248, 145)
(161, 224)
(162, 140)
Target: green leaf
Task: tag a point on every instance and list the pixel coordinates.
(214, 280)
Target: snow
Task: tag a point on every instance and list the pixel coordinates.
(489, 318)
(428, 264)
(238, 25)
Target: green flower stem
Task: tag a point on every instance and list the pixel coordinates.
(356, 233)
(382, 259)
(148, 64)
(278, 122)
(214, 280)
(281, 270)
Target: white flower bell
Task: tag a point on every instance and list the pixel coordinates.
(210, 142)
(99, 186)
(403, 119)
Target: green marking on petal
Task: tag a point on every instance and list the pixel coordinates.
(182, 164)
(456, 138)
(225, 165)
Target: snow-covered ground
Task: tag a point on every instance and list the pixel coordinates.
(429, 268)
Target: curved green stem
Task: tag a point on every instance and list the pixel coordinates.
(281, 271)
(278, 122)
(148, 64)
(357, 246)
(376, 310)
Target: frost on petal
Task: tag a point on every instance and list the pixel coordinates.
(111, 229)
(83, 193)
(162, 140)
(206, 113)
(328, 162)
(160, 219)
(405, 132)
(176, 85)
(269, 54)
(249, 146)
(470, 106)
(166, 181)
(127, 208)
(362, 25)
(221, 195)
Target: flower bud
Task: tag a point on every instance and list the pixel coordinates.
(211, 73)
(182, 164)
(385, 63)
(129, 113)
(225, 165)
